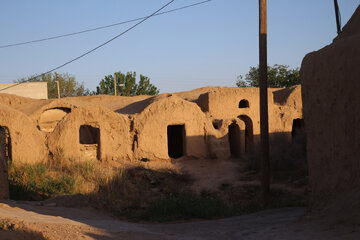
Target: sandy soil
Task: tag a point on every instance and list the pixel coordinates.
(70, 223)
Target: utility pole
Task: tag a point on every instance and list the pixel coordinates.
(115, 84)
(264, 124)
(337, 16)
(57, 83)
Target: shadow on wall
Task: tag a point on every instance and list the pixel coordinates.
(237, 142)
(282, 95)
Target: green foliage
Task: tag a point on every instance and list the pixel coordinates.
(69, 87)
(279, 76)
(126, 85)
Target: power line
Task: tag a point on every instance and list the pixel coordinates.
(92, 50)
(99, 28)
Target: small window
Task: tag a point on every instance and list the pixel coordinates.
(216, 124)
(244, 104)
(89, 134)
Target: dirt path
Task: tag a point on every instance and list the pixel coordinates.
(70, 223)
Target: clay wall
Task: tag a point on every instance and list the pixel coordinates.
(331, 97)
(243, 103)
(92, 133)
(37, 90)
(151, 128)
(27, 142)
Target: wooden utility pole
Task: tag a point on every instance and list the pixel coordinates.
(115, 84)
(337, 16)
(57, 83)
(264, 124)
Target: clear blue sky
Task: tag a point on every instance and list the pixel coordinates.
(207, 45)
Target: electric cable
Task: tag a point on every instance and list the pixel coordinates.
(92, 50)
(99, 28)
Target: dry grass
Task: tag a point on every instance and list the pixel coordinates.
(58, 176)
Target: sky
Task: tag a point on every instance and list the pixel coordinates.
(205, 45)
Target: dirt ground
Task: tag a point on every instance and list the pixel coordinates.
(50, 220)
(47, 222)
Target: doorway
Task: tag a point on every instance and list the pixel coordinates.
(176, 140)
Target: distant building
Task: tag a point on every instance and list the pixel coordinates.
(37, 90)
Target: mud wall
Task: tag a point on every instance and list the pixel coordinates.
(331, 97)
(151, 128)
(243, 103)
(111, 139)
(27, 142)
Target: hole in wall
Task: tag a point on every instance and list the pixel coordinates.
(89, 135)
(244, 103)
(89, 138)
(216, 124)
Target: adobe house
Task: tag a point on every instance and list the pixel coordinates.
(24, 142)
(93, 132)
(20, 141)
(236, 112)
(331, 98)
(211, 122)
(170, 128)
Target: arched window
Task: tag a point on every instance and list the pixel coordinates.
(244, 104)
(51, 117)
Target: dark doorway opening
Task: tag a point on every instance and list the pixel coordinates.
(89, 135)
(298, 127)
(248, 132)
(234, 140)
(5, 157)
(176, 140)
(5, 144)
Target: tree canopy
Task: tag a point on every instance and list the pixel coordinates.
(69, 87)
(279, 76)
(126, 85)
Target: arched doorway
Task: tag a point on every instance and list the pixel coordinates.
(50, 118)
(249, 135)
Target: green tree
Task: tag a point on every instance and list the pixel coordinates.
(69, 87)
(126, 85)
(278, 76)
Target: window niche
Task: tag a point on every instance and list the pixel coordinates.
(244, 103)
(89, 138)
